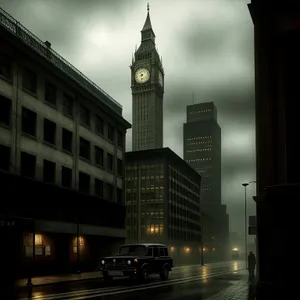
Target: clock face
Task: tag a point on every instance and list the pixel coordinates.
(142, 75)
(160, 78)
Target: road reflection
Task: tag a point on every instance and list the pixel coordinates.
(204, 273)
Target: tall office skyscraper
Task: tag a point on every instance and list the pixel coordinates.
(202, 150)
(147, 86)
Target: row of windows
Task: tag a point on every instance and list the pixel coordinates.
(198, 150)
(199, 143)
(199, 111)
(28, 169)
(29, 126)
(199, 138)
(30, 84)
(199, 159)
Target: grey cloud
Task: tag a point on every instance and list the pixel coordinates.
(66, 23)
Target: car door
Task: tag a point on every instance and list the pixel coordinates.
(151, 259)
(156, 261)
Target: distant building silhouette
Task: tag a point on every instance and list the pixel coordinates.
(147, 85)
(202, 151)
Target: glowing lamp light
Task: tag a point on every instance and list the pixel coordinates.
(235, 249)
(187, 249)
(38, 240)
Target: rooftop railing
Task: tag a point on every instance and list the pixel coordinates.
(17, 29)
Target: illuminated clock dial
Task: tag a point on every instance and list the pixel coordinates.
(142, 75)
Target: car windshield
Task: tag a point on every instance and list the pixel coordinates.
(132, 250)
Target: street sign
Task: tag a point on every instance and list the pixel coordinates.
(252, 230)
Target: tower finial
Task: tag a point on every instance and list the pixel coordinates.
(148, 7)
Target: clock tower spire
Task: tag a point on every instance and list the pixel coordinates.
(147, 86)
(147, 31)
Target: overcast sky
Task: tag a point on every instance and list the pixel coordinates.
(207, 48)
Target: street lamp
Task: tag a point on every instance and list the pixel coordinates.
(245, 229)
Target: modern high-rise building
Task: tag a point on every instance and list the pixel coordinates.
(163, 201)
(202, 150)
(147, 86)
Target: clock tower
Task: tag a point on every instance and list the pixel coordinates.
(147, 86)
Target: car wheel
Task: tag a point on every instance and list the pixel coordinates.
(164, 274)
(144, 274)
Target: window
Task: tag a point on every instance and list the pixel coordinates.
(5, 66)
(29, 80)
(162, 252)
(50, 93)
(5, 111)
(99, 188)
(4, 157)
(99, 125)
(109, 192)
(155, 252)
(99, 156)
(49, 171)
(84, 116)
(28, 163)
(119, 167)
(120, 140)
(149, 251)
(110, 162)
(66, 177)
(110, 132)
(85, 147)
(68, 106)
(49, 132)
(67, 140)
(84, 183)
(120, 196)
(28, 121)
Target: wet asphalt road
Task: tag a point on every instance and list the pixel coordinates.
(194, 282)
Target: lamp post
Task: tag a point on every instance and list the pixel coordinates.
(245, 229)
(245, 223)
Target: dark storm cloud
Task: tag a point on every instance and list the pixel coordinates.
(207, 49)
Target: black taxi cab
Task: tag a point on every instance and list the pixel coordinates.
(138, 261)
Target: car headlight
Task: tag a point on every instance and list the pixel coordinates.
(129, 262)
(102, 261)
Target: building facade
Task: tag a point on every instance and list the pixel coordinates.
(59, 128)
(202, 151)
(147, 86)
(276, 48)
(163, 202)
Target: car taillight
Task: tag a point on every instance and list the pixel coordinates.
(136, 260)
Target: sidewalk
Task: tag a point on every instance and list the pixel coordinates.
(240, 290)
(44, 280)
